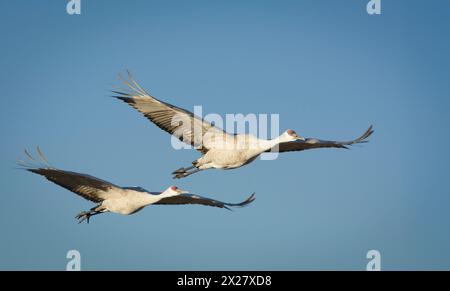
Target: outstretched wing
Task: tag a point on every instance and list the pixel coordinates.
(88, 187)
(196, 199)
(313, 143)
(177, 121)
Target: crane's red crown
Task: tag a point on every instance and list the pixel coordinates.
(291, 132)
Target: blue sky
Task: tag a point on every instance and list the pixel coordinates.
(327, 67)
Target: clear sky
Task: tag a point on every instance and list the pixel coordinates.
(327, 67)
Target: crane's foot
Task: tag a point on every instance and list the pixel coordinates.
(182, 170)
(84, 216)
(183, 174)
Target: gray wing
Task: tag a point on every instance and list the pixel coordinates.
(313, 143)
(179, 122)
(196, 199)
(88, 187)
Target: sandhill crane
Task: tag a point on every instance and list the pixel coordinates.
(113, 198)
(220, 150)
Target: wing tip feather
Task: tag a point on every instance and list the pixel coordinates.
(247, 201)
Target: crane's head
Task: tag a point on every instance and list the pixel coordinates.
(171, 192)
(292, 135)
(174, 190)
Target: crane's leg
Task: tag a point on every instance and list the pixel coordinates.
(182, 170)
(197, 166)
(185, 174)
(86, 215)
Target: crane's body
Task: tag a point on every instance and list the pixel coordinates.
(239, 151)
(128, 201)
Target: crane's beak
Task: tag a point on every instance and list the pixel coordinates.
(300, 138)
(179, 191)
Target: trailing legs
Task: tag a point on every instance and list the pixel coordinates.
(86, 215)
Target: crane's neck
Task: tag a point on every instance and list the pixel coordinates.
(153, 198)
(268, 144)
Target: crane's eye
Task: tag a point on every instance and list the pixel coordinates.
(174, 188)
